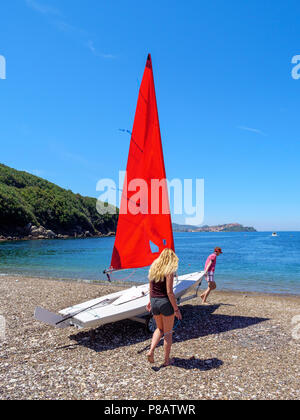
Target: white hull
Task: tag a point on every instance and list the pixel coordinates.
(124, 304)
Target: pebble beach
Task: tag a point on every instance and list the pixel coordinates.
(241, 346)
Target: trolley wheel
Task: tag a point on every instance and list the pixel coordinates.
(151, 324)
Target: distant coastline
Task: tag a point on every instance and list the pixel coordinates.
(41, 233)
(229, 227)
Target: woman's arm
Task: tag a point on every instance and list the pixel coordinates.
(149, 304)
(171, 296)
(208, 267)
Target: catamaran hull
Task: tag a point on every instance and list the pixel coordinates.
(130, 303)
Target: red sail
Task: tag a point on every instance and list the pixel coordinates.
(144, 213)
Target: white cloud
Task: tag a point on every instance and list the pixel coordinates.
(42, 8)
(90, 45)
(252, 130)
(65, 27)
(2, 67)
(69, 29)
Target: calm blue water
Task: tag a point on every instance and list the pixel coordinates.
(251, 261)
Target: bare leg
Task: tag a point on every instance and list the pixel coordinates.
(211, 286)
(168, 324)
(205, 295)
(157, 336)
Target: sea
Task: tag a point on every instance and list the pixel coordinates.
(251, 261)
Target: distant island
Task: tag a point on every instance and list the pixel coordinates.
(33, 208)
(230, 227)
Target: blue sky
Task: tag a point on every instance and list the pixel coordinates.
(228, 106)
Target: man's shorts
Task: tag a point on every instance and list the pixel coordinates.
(210, 276)
(161, 306)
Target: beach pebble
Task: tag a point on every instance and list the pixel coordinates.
(38, 362)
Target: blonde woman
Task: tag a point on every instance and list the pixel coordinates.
(163, 302)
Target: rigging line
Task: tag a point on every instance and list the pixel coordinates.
(126, 278)
(124, 196)
(141, 150)
(128, 200)
(132, 139)
(99, 304)
(125, 131)
(176, 325)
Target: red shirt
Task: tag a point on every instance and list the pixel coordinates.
(213, 259)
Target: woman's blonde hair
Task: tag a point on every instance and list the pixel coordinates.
(163, 266)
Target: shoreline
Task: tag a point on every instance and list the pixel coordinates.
(13, 238)
(240, 346)
(127, 284)
(59, 238)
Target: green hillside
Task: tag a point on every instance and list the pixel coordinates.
(25, 199)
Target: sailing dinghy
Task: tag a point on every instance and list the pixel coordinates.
(139, 227)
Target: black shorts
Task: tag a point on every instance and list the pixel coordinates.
(161, 306)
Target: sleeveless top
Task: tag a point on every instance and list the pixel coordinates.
(158, 290)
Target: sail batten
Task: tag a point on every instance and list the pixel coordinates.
(138, 225)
